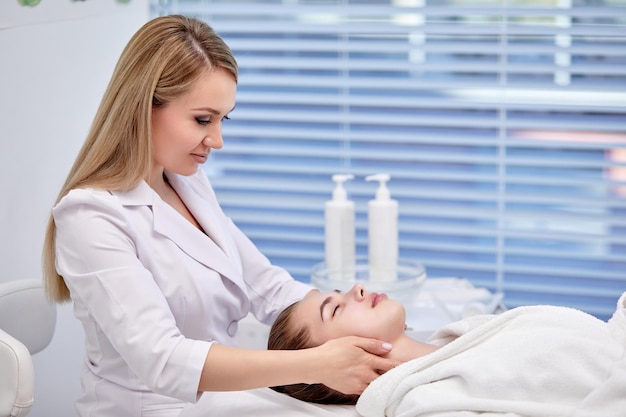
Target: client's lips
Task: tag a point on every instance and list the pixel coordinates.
(200, 158)
(377, 298)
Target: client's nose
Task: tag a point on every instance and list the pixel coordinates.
(359, 292)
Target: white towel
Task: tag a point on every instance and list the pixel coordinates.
(538, 361)
(612, 390)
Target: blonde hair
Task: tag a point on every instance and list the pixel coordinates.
(160, 62)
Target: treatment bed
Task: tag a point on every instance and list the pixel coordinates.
(534, 361)
(262, 402)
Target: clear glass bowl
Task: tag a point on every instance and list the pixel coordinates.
(409, 278)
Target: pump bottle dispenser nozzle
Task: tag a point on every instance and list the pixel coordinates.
(382, 193)
(339, 193)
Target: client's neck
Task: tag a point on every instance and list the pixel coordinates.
(405, 349)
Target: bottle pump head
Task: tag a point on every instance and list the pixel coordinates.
(382, 193)
(339, 193)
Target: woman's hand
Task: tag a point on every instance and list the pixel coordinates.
(349, 364)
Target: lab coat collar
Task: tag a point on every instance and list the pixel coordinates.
(201, 209)
(169, 223)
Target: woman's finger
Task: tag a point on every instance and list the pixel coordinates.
(377, 347)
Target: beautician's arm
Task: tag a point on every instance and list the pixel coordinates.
(343, 364)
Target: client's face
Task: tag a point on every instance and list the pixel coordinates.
(330, 315)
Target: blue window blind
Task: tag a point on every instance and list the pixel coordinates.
(501, 123)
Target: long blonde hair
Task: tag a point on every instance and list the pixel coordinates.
(159, 63)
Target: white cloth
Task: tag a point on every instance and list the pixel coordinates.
(262, 402)
(153, 292)
(539, 361)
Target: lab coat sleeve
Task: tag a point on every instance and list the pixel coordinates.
(271, 288)
(97, 259)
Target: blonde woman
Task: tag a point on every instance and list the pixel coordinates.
(157, 274)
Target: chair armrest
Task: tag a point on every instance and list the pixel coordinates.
(17, 383)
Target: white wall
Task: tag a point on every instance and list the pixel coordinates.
(52, 76)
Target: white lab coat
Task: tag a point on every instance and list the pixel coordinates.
(153, 292)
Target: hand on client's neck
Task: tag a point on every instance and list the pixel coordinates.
(405, 349)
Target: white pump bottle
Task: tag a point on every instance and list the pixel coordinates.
(340, 232)
(383, 232)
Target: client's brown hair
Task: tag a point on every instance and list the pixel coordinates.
(286, 335)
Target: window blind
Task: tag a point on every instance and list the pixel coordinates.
(501, 123)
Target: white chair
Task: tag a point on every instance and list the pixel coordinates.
(27, 323)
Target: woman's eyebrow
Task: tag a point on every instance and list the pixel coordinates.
(207, 109)
(212, 110)
(326, 301)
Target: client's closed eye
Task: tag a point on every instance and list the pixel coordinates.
(327, 302)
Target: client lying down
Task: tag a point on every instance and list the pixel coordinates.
(528, 361)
